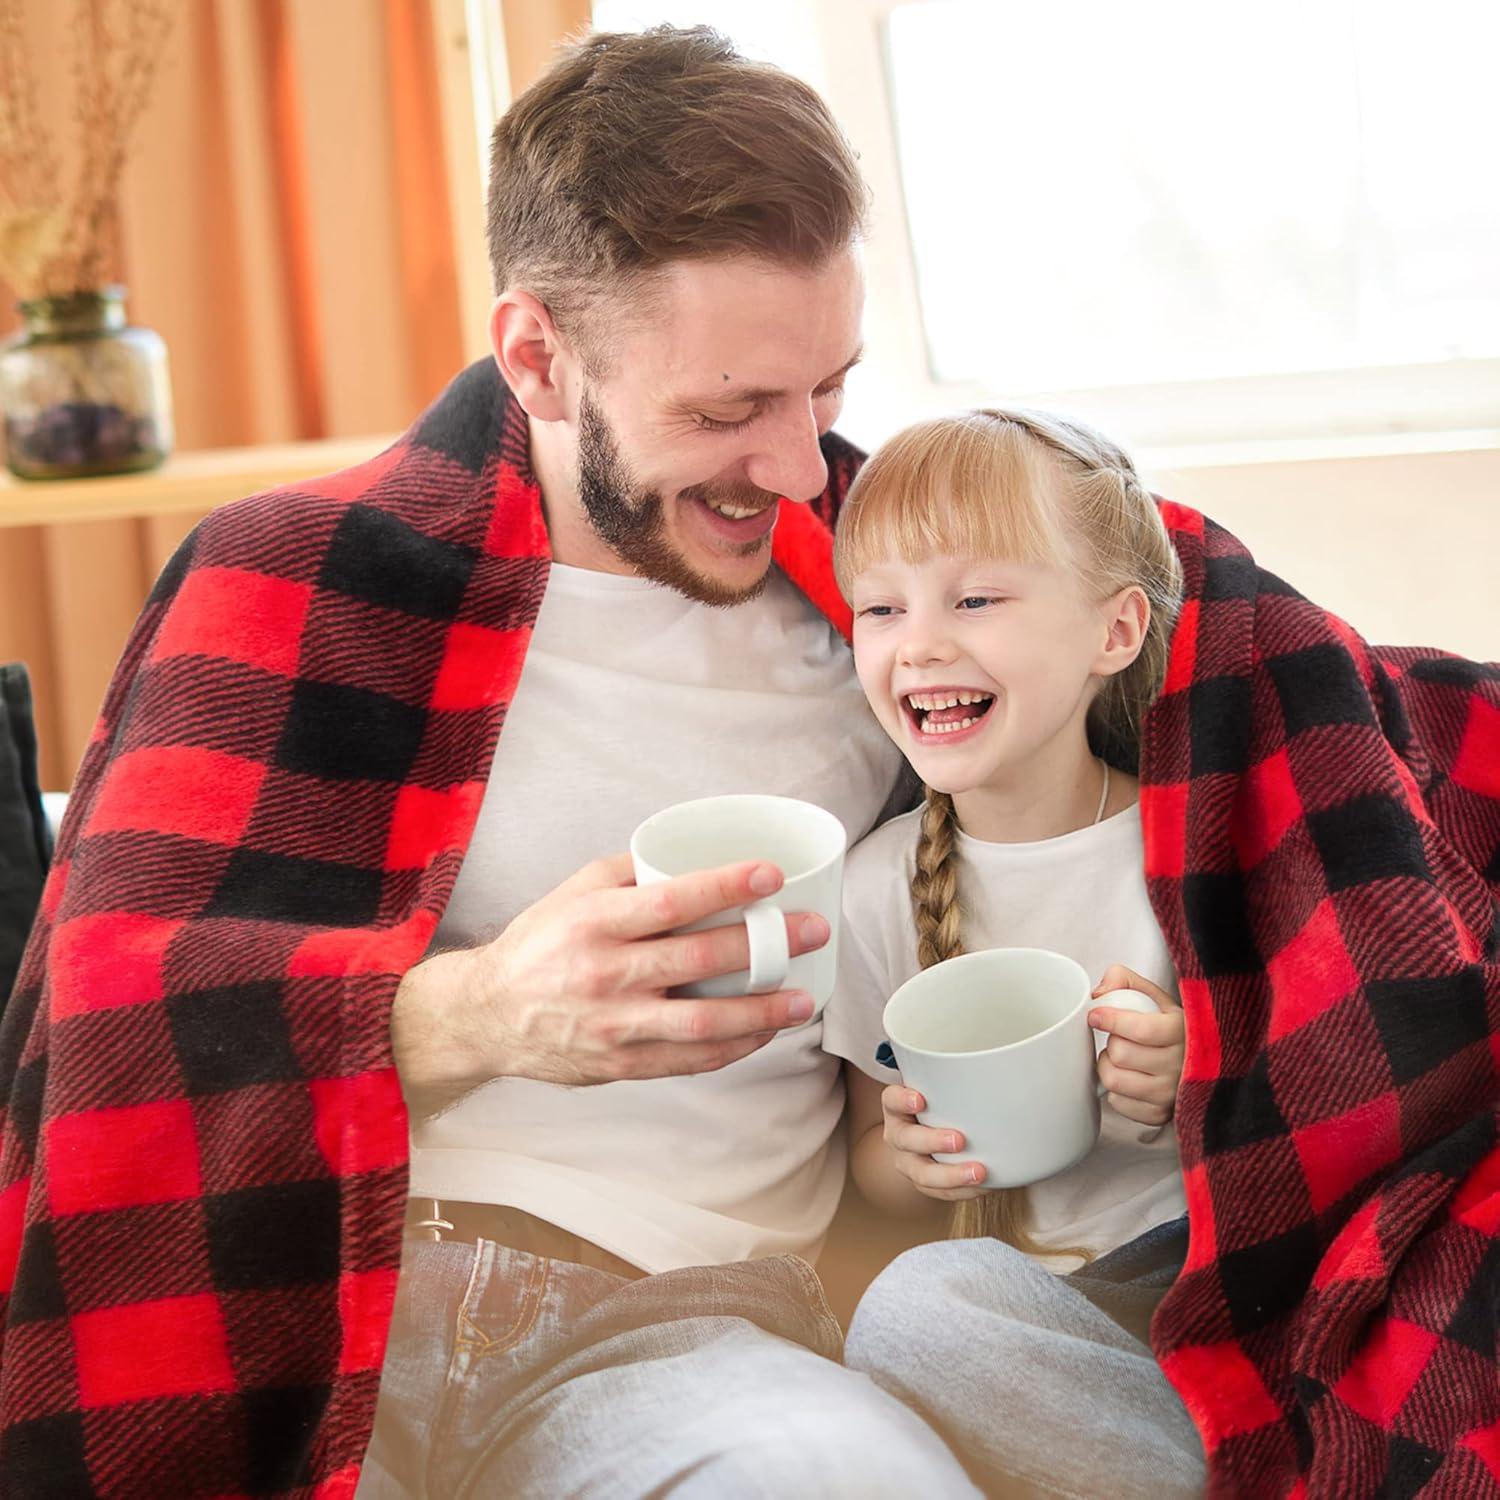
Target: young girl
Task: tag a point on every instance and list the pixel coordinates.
(1014, 591)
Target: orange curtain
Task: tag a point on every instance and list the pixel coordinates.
(285, 228)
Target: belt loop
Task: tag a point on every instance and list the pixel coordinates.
(436, 1224)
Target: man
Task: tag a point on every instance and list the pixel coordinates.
(679, 367)
(206, 1151)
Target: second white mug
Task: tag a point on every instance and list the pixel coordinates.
(997, 1044)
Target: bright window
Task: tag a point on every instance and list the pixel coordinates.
(1102, 194)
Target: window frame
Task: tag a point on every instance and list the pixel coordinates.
(1388, 408)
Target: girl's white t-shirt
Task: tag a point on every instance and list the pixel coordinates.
(1084, 895)
(632, 698)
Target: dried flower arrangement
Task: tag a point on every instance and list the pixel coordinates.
(80, 392)
(53, 242)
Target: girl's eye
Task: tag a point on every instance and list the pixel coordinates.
(878, 611)
(976, 601)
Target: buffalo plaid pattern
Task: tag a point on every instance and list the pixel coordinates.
(204, 1147)
(1322, 824)
(204, 1151)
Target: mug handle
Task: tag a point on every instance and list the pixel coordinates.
(769, 955)
(1136, 1000)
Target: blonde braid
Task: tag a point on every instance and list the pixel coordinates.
(1000, 1214)
(934, 887)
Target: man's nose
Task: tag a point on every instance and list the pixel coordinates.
(791, 462)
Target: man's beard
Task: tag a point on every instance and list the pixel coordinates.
(630, 519)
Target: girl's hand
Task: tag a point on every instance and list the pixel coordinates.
(1142, 1065)
(912, 1145)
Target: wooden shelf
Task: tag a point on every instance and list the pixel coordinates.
(186, 484)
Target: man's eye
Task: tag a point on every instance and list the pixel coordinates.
(832, 390)
(712, 424)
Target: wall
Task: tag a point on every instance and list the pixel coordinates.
(1403, 546)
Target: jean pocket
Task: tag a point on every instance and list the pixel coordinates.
(501, 1306)
(499, 1310)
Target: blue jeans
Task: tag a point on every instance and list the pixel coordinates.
(515, 1375)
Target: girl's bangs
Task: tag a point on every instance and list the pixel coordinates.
(968, 486)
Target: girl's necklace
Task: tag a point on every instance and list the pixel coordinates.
(1103, 793)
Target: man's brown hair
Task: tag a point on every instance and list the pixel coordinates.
(638, 149)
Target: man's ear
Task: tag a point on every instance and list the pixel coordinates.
(1125, 616)
(534, 359)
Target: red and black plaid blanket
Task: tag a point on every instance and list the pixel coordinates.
(1322, 826)
(204, 1148)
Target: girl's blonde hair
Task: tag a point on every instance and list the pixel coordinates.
(1031, 488)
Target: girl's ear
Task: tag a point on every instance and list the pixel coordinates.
(1125, 616)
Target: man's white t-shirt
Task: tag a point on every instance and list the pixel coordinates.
(633, 698)
(1084, 895)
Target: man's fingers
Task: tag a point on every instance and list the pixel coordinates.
(673, 1060)
(636, 1023)
(648, 910)
(609, 873)
(662, 963)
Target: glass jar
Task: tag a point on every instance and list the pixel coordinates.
(81, 391)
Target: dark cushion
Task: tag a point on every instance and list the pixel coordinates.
(25, 840)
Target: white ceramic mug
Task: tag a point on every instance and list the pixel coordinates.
(998, 1045)
(805, 842)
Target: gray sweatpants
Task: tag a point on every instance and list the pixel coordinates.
(1039, 1391)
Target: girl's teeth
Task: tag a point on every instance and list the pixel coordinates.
(927, 703)
(948, 728)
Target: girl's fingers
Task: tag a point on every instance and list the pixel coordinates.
(897, 1099)
(1136, 1057)
(953, 1195)
(1160, 1030)
(921, 1140)
(1141, 1114)
(1118, 977)
(1158, 1089)
(942, 1177)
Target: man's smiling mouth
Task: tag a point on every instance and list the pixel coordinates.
(734, 512)
(946, 711)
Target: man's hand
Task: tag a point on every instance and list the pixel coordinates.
(1142, 1065)
(574, 990)
(912, 1145)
